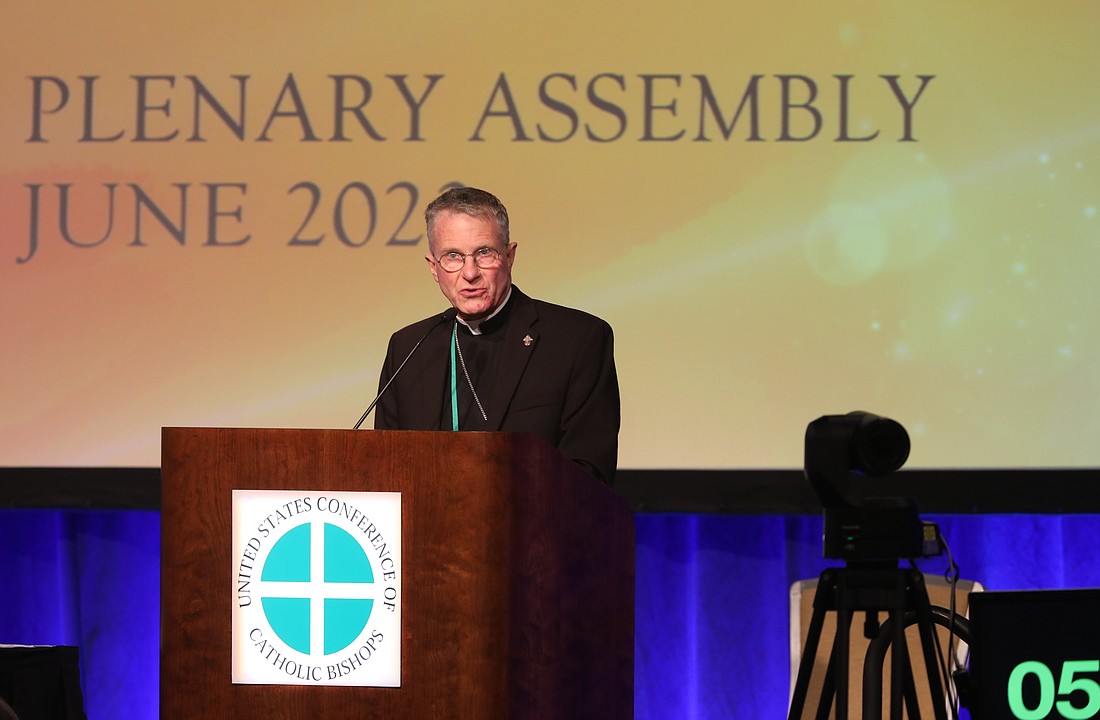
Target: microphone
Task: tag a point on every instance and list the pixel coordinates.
(446, 317)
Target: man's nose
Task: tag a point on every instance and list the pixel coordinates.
(470, 268)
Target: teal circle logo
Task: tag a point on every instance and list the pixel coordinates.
(317, 589)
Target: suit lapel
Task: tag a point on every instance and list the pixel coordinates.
(431, 376)
(520, 340)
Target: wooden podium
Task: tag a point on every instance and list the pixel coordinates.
(517, 584)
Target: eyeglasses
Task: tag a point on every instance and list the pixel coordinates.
(485, 257)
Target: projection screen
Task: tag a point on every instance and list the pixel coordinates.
(212, 214)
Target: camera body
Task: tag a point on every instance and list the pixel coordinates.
(840, 448)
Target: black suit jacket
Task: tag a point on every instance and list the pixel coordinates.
(556, 378)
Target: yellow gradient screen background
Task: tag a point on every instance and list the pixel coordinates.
(740, 189)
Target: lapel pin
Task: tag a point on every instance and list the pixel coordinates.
(528, 341)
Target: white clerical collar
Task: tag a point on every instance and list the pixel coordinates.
(475, 325)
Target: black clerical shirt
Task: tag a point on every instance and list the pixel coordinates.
(480, 359)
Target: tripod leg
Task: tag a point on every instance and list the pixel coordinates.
(828, 689)
(903, 686)
(926, 625)
(921, 606)
(901, 675)
(840, 658)
(921, 614)
(809, 650)
(912, 703)
(835, 686)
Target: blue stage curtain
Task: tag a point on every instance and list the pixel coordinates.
(89, 578)
(712, 594)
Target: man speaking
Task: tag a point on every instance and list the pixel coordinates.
(498, 359)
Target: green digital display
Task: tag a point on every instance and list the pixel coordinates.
(1035, 655)
(1075, 696)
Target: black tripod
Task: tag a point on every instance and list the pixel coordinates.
(871, 587)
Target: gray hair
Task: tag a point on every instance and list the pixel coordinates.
(468, 201)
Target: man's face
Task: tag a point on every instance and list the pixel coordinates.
(474, 291)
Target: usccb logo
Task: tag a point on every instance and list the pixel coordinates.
(316, 588)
